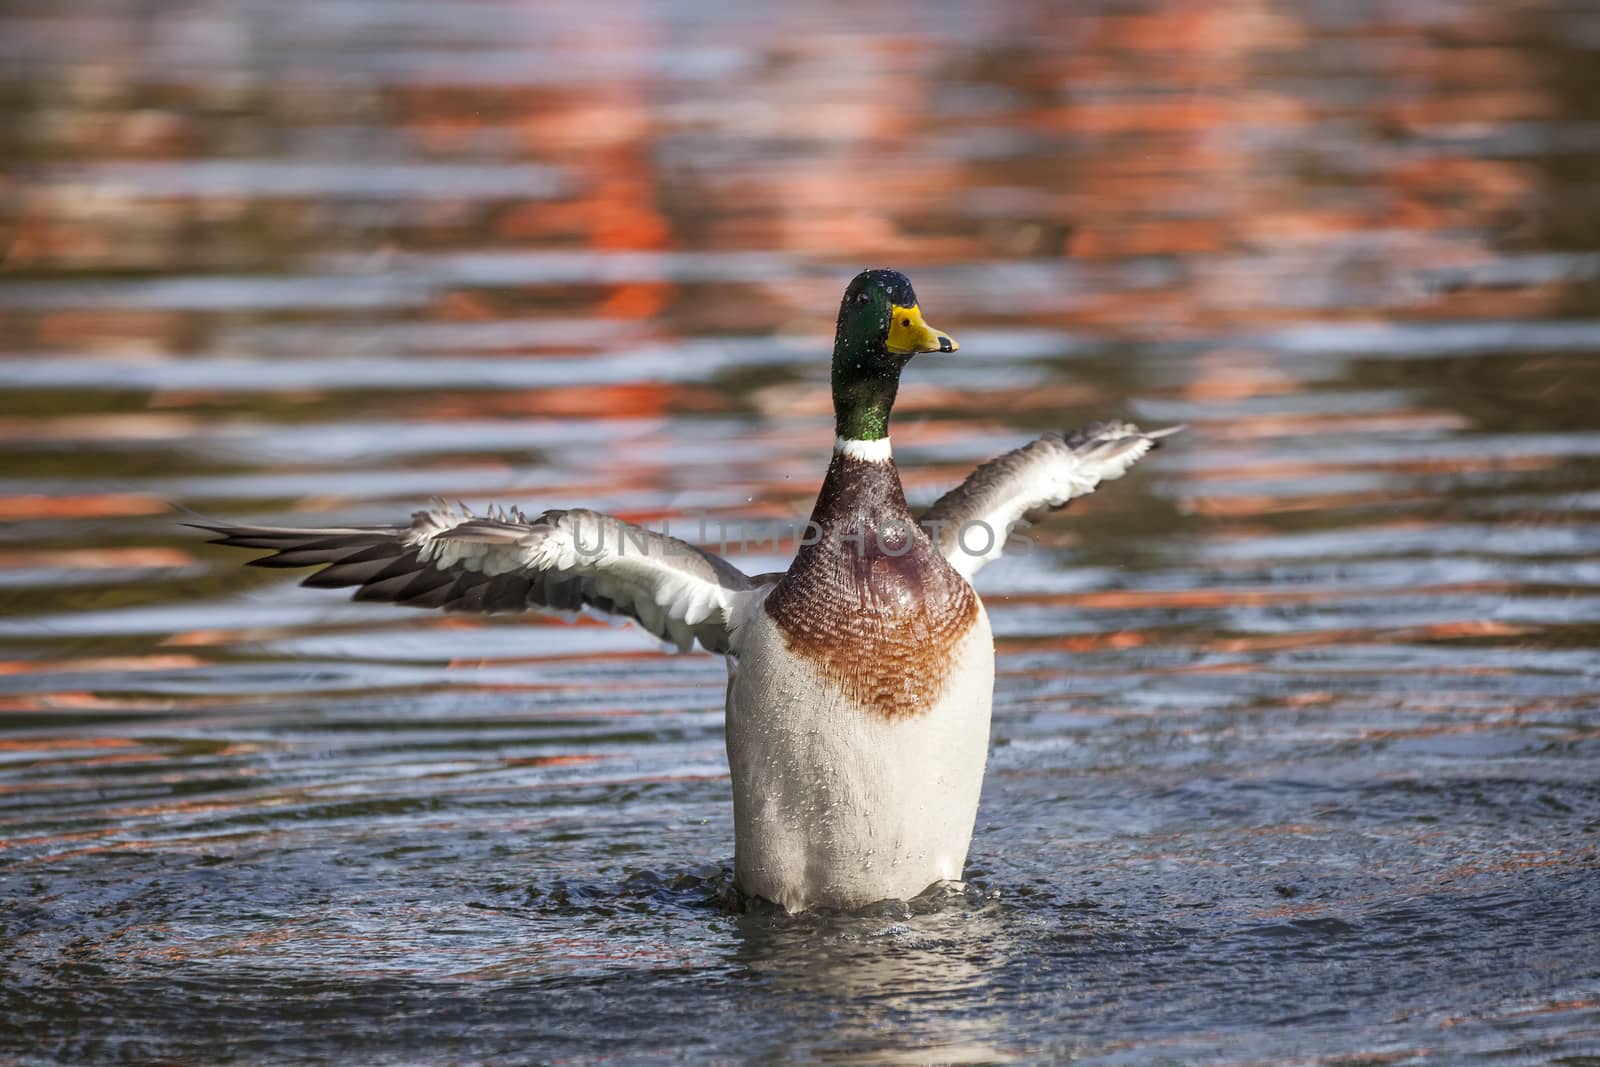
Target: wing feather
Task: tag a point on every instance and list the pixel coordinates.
(971, 523)
(563, 560)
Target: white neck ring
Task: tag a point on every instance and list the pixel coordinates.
(867, 451)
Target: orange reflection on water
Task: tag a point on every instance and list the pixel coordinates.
(80, 506)
(102, 664)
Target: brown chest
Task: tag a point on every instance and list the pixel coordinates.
(871, 602)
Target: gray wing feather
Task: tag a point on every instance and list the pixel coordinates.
(449, 558)
(1027, 484)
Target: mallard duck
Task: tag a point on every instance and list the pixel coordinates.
(859, 680)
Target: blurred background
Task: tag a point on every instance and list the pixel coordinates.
(1297, 752)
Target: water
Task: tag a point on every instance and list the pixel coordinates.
(1296, 751)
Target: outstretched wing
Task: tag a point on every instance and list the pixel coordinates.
(970, 523)
(451, 559)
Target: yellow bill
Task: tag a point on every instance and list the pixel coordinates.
(908, 334)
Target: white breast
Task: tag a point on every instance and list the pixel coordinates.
(835, 805)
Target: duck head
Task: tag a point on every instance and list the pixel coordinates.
(880, 329)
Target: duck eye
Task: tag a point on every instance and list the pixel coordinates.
(905, 322)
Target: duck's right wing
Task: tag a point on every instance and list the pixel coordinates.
(971, 522)
(451, 559)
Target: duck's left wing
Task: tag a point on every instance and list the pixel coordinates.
(449, 558)
(970, 524)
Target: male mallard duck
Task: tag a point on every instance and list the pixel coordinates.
(859, 680)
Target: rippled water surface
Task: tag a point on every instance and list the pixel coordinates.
(1296, 749)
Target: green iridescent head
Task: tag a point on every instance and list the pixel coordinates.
(880, 329)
